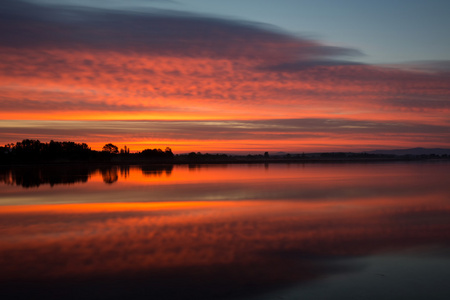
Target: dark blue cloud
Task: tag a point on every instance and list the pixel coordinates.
(154, 32)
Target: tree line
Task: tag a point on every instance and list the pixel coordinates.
(29, 150)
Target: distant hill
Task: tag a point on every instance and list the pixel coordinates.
(413, 151)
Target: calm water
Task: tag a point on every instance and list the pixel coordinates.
(277, 231)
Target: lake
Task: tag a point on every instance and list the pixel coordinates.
(236, 231)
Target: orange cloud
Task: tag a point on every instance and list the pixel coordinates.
(175, 74)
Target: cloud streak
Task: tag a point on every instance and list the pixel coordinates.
(283, 134)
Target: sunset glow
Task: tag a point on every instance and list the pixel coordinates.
(153, 79)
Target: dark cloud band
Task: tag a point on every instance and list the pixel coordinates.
(158, 32)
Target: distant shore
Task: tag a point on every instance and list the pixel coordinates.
(219, 159)
(34, 152)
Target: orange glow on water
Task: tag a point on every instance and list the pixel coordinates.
(203, 233)
(258, 223)
(111, 207)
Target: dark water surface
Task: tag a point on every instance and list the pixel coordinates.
(276, 231)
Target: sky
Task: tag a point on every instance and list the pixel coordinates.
(231, 76)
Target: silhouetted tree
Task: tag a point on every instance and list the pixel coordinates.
(125, 150)
(110, 148)
(157, 153)
(31, 151)
(168, 152)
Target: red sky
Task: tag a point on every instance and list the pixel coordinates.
(201, 83)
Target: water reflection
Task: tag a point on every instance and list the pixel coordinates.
(231, 231)
(157, 170)
(110, 175)
(28, 177)
(35, 176)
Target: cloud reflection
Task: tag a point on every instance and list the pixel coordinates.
(217, 246)
(213, 249)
